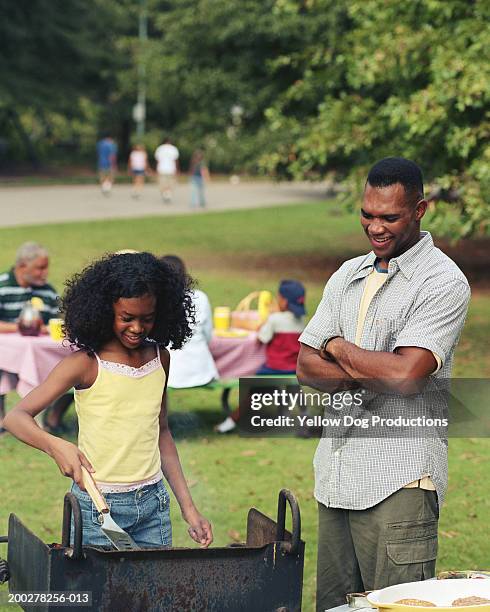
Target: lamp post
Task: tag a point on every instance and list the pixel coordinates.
(139, 110)
(236, 112)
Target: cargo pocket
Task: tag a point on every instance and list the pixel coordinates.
(411, 550)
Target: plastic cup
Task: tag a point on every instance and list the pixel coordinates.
(56, 329)
(221, 318)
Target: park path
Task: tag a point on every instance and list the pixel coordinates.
(52, 204)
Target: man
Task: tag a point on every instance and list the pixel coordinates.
(167, 156)
(396, 314)
(28, 279)
(106, 162)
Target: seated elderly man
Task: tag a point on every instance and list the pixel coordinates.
(28, 279)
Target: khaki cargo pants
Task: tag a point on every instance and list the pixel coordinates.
(361, 550)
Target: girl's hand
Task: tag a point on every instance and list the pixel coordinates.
(69, 459)
(200, 528)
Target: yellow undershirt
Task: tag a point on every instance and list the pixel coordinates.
(374, 282)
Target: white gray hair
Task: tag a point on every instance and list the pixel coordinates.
(28, 252)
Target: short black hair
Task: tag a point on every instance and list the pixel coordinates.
(392, 170)
(87, 304)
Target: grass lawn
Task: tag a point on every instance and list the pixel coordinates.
(232, 253)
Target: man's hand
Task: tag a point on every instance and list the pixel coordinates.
(329, 352)
(8, 328)
(316, 372)
(326, 352)
(402, 371)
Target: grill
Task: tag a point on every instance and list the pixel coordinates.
(264, 574)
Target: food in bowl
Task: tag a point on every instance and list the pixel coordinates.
(443, 595)
(473, 600)
(416, 602)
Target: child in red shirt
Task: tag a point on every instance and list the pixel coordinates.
(281, 333)
(282, 330)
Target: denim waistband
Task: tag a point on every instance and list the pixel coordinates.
(126, 496)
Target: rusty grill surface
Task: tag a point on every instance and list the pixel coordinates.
(263, 574)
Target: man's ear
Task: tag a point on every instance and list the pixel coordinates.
(420, 209)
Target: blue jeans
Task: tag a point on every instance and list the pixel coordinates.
(144, 514)
(264, 370)
(197, 192)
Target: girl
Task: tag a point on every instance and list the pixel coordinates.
(120, 312)
(138, 167)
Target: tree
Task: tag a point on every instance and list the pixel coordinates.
(408, 79)
(209, 73)
(54, 56)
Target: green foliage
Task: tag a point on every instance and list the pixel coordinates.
(409, 79)
(58, 73)
(294, 88)
(42, 44)
(209, 76)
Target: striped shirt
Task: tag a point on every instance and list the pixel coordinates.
(423, 303)
(13, 298)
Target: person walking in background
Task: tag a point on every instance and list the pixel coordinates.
(167, 156)
(199, 175)
(137, 167)
(106, 162)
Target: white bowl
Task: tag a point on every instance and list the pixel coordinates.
(439, 592)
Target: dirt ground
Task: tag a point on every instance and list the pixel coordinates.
(472, 256)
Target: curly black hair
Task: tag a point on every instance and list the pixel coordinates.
(87, 304)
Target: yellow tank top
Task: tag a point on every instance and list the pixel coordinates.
(118, 420)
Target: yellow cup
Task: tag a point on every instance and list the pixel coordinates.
(56, 329)
(221, 317)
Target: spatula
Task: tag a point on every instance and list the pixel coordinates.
(120, 539)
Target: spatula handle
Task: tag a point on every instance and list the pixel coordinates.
(94, 492)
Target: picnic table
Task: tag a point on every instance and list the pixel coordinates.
(29, 359)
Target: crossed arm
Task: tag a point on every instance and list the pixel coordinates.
(344, 363)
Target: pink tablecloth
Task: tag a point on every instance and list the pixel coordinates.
(31, 359)
(235, 357)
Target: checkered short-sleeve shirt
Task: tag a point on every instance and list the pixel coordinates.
(423, 303)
